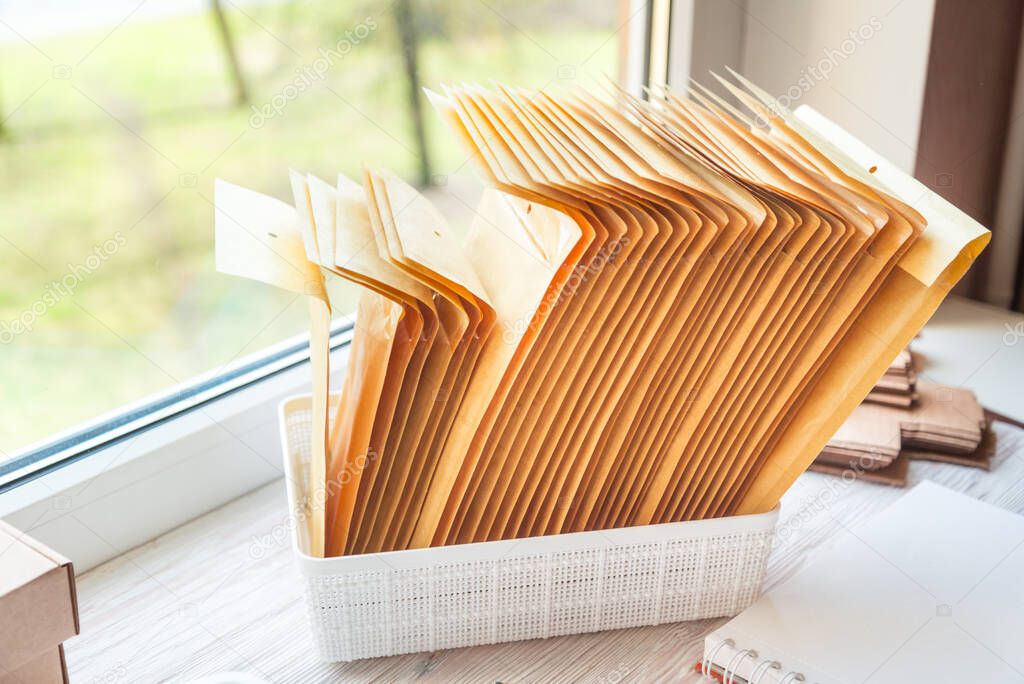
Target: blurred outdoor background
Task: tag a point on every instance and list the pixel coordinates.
(118, 116)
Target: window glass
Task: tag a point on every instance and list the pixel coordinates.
(118, 116)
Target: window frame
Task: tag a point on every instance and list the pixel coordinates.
(128, 422)
(97, 491)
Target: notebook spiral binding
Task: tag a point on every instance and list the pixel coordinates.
(757, 675)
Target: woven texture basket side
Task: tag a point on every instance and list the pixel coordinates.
(424, 600)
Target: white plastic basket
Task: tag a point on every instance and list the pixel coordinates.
(384, 604)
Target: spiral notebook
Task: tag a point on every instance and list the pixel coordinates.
(930, 590)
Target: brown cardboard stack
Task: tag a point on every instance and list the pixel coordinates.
(898, 386)
(38, 610)
(870, 437)
(947, 424)
(877, 442)
(662, 312)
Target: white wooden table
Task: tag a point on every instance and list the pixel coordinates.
(221, 593)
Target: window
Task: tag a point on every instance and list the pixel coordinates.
(117, 118)
(140, 386)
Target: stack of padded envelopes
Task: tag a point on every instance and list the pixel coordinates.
(662, 311)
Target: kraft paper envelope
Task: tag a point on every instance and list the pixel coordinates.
(517, 282)
(316, 208)
(540, 247)
(758, 276)
(469, 291)
(657, 238)
(620, 255)
(811, 243)
(383, 345)
(377, 343)
(730, 392)
(259, 237)
(454, 388)
(624, 482)
(897, 233)
(474, 120)
(493, 114)
(686, 226)
(596, 268)
(904, 302)
(780, 356)
(418, 387)
(319, 363)
(640, 450)
(428, 248)
(622, 232)
(722, 309)
(692, 232)
(643, 309)
(753, 390)
(893, 240)
(697, 180)
(690, 467)
(550, 494)
(400, 388)
(422, 235)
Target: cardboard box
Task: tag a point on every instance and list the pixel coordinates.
(38, 609)
(46, 668)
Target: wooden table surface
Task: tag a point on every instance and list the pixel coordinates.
(222, 594)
